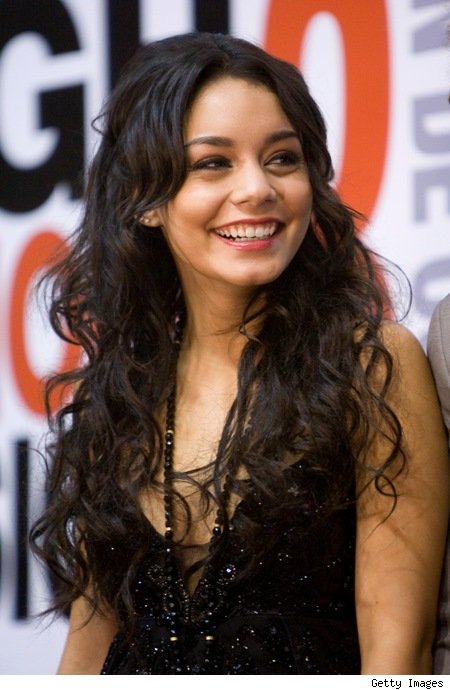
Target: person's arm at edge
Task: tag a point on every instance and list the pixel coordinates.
(88, 640)
(399, 560)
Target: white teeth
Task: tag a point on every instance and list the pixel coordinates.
(248, 232)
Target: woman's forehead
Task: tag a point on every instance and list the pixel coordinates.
(232, 102)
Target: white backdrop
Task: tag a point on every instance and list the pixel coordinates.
(380, 70)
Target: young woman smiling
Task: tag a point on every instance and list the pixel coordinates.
(251, 476)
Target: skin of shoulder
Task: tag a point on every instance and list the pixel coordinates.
(399, 554)
(88, 640)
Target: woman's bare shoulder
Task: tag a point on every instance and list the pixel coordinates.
(405, 348)
(88, 639)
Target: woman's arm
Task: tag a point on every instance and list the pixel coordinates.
(399, 557)
(88, 642)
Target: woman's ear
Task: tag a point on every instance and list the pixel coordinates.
(151, 218)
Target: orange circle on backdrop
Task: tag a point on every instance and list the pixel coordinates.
(37, 253)
(366, 57)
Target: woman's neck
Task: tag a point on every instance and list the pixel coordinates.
(213, 326)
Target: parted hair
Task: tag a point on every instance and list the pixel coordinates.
(307, 387)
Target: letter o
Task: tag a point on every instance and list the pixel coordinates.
(365, 37)
(34, 257)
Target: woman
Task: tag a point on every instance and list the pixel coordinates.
(251, 476)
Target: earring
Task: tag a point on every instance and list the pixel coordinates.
(150, 219)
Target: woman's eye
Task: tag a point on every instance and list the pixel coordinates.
(210, 164)
(286, 159)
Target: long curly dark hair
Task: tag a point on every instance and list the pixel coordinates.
(116, 292)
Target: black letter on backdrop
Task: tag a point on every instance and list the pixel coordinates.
(123, 32)
(23, 190)
(212, 15)
(124, 23)
(21, 607)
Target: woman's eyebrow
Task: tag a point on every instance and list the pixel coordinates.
(226, 141)
(281, 135)
(211, 140)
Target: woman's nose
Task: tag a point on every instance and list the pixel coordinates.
(252, 185)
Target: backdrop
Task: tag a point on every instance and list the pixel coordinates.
(378, 68)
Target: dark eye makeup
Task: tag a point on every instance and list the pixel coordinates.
(210, 163)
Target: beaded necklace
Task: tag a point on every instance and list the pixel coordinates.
(216, 532)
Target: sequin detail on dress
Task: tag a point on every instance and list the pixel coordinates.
(295, 614)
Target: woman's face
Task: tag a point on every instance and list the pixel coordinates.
(245, 205)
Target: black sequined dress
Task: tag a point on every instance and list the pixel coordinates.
(295, 613)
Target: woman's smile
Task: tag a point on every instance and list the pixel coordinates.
(250, 235)
(249, 230)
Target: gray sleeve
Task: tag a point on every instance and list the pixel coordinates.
(439, 355)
